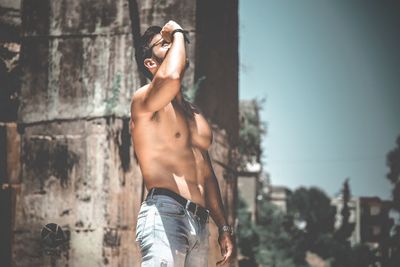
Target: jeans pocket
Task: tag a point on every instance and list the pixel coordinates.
(170, 209)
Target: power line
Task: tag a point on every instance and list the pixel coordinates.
(320, 160)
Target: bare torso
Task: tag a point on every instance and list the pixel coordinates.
(171, 146)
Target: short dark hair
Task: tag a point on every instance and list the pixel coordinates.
(144, 51)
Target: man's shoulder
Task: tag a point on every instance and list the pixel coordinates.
(138, 96)
(137, 102)
(140, 92)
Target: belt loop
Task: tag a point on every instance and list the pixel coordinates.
(187, 204)
(152, 192)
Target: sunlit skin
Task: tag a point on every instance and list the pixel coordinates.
(171, 144)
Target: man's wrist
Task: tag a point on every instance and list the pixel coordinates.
(184, 33)
(225, 229)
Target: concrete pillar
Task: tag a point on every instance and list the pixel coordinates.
(10, 25)
(9, 186)
(78, 76)
(79, 175)
(78, 169)
(217, 60)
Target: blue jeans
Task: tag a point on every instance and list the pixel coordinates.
(171, 236)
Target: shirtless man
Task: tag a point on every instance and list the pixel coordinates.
(171, 139)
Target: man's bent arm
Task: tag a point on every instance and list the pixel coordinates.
(166, 83)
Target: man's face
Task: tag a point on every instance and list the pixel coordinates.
(159, 48)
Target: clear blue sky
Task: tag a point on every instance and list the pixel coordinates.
(330, 73)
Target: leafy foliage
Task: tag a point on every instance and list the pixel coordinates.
(251, 131)
(247, 232)
(393, 162)
(278, 238)
(313, 207)
(347, 228)
(284, 239)
(269, 243)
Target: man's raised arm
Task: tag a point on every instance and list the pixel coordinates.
(166, 82)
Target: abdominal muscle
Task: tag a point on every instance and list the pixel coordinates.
(171, 152)
(178, 172)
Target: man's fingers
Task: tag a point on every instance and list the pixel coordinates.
(166, 35)
(223, 253)
(221, 262)
(229, 252)
(226, 252)
(223, 250)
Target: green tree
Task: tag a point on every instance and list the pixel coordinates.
(277, 238)
(346, 228)
(393, 162)
(251, 131)
(312, 207)
(271, 242)
(314, 217)
(247, 234)
(282, 239)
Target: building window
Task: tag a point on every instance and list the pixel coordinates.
(375, 210)
(376, 230)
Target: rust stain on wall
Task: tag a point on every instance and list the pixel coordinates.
(111, 238)
(44, 158)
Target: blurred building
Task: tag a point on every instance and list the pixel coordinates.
(372, 222)
(278, 195)
(375, 221)
(354, 218)
(249, 188)
(375, 224)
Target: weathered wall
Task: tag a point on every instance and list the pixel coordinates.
(217, 60)
(9, 186)
(10, 25)
(78, 174)
(78, 76)
(76, 59)
(78, 168)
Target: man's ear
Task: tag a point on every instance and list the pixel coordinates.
(150, 63)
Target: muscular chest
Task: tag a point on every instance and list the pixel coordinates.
(182, 127)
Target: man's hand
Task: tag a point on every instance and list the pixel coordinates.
(226, 245)
(168, 29)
